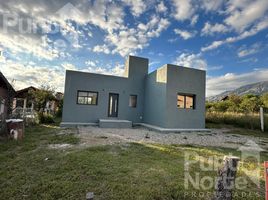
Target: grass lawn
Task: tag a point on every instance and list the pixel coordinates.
(31, 170)
(237, 130)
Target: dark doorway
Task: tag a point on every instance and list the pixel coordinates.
(113, 105)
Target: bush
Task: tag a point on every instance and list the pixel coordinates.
(45, 118)
(60, 107)
(251, 121)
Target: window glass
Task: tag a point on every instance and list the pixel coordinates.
(186, 101)
(81, 100)
(87, 98)
(2, 106)
(189, 102)
(133, 101)
(180, 101)
(84, 94)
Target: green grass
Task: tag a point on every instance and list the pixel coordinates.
(237, 130)
(127, 171)
(250, 121)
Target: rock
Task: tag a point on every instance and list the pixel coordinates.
(90, 196)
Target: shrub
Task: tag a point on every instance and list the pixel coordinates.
(60, 107)
(251, 121)
(45, 118)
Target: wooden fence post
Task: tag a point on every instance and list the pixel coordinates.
(226, 180)
(262, 119)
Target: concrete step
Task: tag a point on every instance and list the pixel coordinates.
(114, 123)
(169, 130)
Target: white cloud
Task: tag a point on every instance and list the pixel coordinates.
(89, 34)
(249, 50)
(213, 68)
(68, 66)
(172, 40)
(90, 63)
(2, 57)
(118, 70)
(230, 81)
(194, 20)
(251, 60)
(243, 13)
(210, 29)
(42, 75)
(101, 48)
(214, 45)
(24, 37)
(17, 43)
(107, 15)
(137, 6)
(184, 9)
(192, 61)
(184, 34)
(246, 52)
(33, 75)
(127, 41)
(161, 7)
(253, 31)
(211, 5)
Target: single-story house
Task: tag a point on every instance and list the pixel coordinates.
(6, 95)
(24, 102)
(22, 98)
(169, 97)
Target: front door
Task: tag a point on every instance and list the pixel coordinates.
(113, 105)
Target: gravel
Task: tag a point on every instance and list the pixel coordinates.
(95, 136)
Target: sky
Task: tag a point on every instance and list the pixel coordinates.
(41, 39)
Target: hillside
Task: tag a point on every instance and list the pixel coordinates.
(255, 88)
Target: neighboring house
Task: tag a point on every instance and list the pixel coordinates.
(53, 105)
(23, 102)
(6, 94)
(170, 97)
(22, 98)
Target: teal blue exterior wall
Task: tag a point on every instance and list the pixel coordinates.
(156, 95)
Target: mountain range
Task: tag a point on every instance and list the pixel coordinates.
(254, 88)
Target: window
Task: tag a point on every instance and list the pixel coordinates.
(2, 106)
(87, 98)
(180, 101)
(186, 101)
(133, 101)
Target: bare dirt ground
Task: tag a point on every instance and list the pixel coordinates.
(95, 136)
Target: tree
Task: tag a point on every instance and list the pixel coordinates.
(222, 106)
(250, 103)
(41, 96)
(234, 102)
(264, 99)
(60, 108)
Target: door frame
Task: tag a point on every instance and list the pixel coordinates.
(110, 94)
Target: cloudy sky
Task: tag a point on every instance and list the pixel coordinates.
(39, 40)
